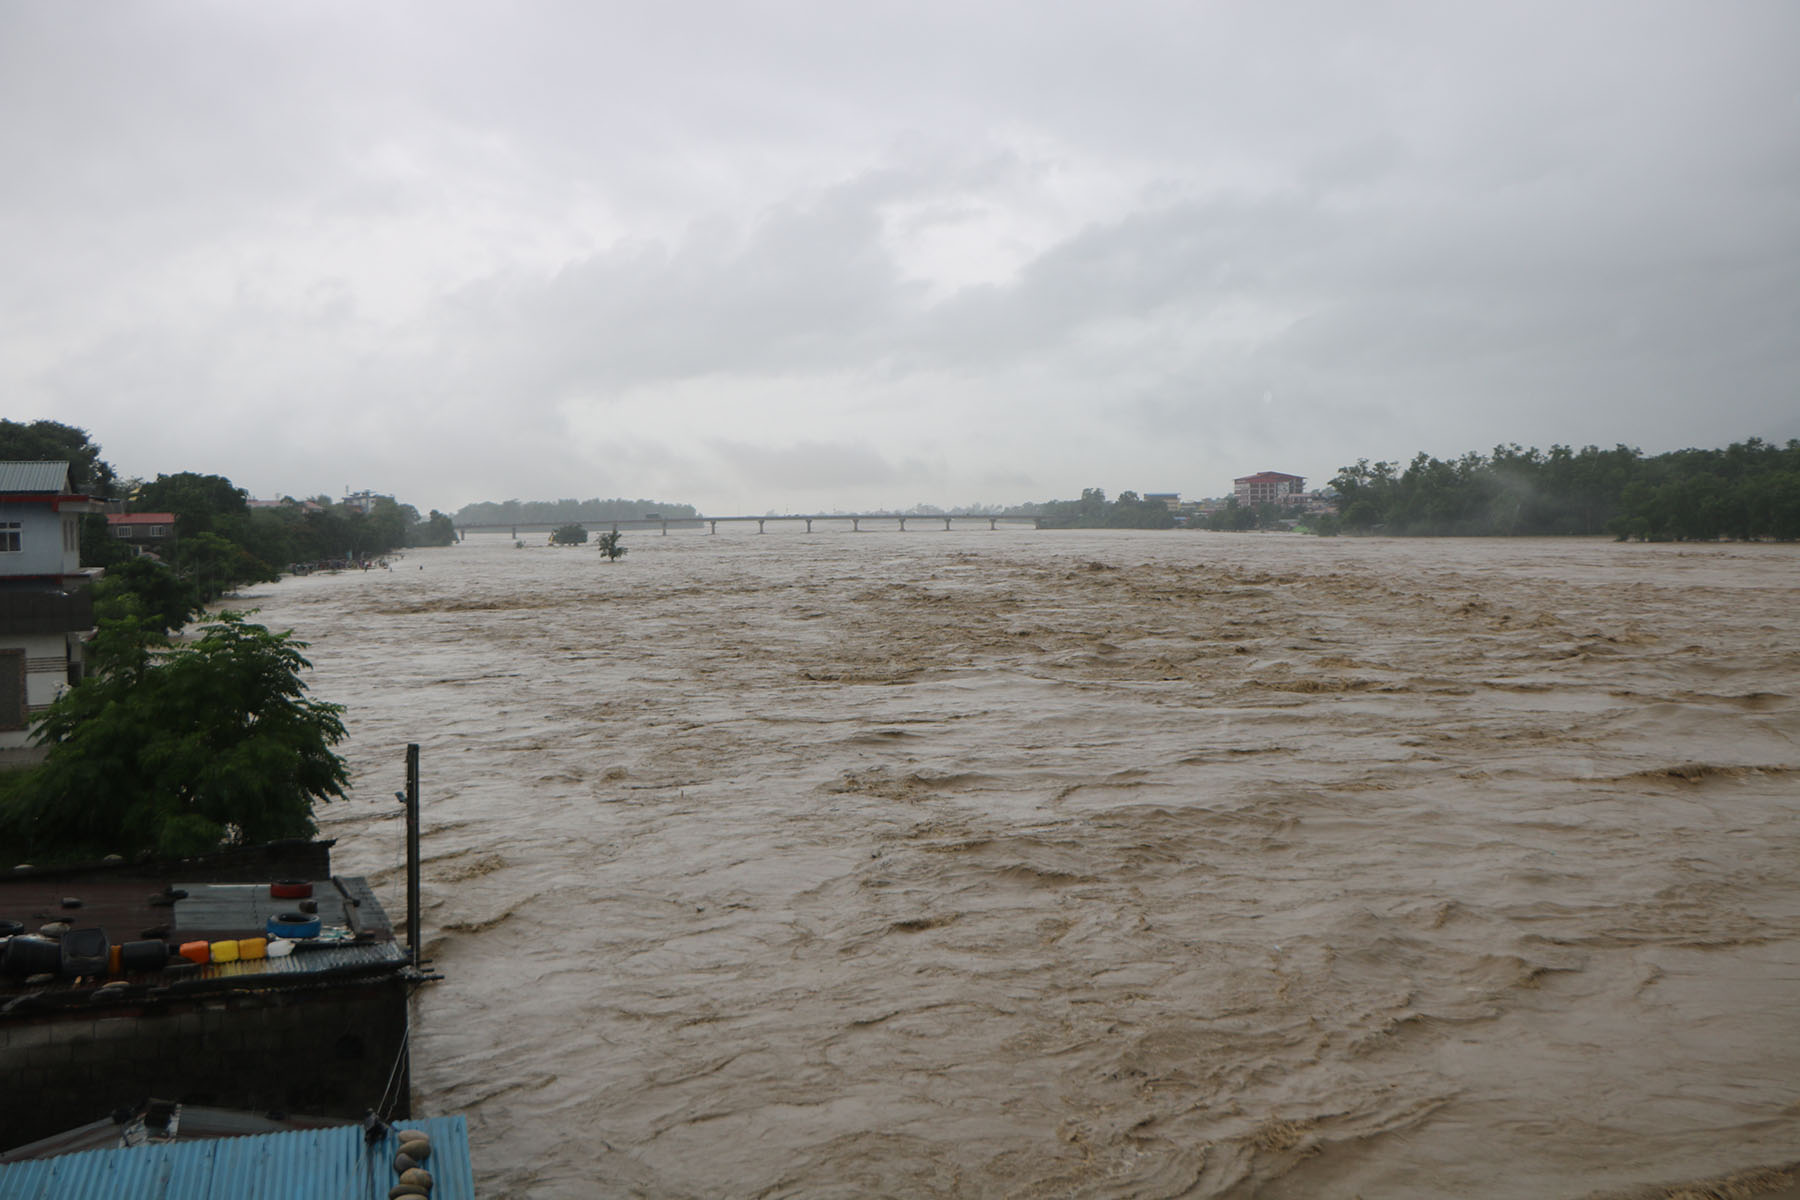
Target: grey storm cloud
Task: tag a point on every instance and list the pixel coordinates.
(891, 252)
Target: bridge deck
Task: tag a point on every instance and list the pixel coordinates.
(854, 520)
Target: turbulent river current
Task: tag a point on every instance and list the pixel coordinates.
(1093, 864)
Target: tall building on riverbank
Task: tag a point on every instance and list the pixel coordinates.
(1269, 487)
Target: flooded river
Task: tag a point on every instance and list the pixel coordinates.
(1089, 864)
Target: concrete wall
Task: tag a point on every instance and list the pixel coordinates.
(325, 1051)
(44, 539)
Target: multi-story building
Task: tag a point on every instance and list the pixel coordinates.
(1269, 487)
(46, 612)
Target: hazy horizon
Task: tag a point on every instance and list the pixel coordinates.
(805, 257)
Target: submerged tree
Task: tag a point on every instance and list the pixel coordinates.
(609, 545)
(178, 749)
(572, 534)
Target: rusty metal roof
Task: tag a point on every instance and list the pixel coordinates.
(355, 938)
(132, 909)
(310, 1164)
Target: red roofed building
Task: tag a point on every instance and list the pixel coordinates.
(143, 531)
(1269, 487)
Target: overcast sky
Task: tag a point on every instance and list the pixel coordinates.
(818, 255)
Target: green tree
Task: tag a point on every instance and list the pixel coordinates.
(572, 534)
(52, 441)
(609, 545)
(437, 530)
(201, 503)
(179, 749)
(215, 565)
(147, 589)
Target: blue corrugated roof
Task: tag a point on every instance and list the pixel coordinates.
(308, 1164)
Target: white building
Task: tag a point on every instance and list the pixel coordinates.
(364, 502)
(46, 612)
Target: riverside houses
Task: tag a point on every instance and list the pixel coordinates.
(46, 611)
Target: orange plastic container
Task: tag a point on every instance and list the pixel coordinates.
(225, 951)
(249, 948)
(198, 952)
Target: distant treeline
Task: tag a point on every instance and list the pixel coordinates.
(1093, 511)
(558, 512)
(1749, 490)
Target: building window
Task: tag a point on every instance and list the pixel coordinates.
(121, 531)
(11, 535)
(159, 530)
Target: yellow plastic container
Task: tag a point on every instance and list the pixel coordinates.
(249, 948)
(226, 951)
(114, 959)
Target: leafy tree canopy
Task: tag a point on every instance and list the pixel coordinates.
(1093, 511)
(437, 530)
(1750, 489)
(572, 534)
(548, 512)
(149, 590)
(201, 503)
(52, 441)
(178, 749)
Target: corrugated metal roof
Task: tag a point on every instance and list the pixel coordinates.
(34, 476)
(192, 1123)
(311, 1164)
(140, 518)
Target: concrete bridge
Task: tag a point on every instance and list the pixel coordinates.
(854, 520)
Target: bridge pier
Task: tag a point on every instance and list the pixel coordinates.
(665, 529)
(809, 524)
(715, 527)
(855, 524)
(946, 524)
(993, 524)
(759, 524)
(902, 524)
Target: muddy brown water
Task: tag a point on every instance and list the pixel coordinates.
(1088, 864)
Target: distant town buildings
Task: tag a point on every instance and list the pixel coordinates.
(1269, 487)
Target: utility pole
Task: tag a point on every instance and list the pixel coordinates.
(411, 800)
